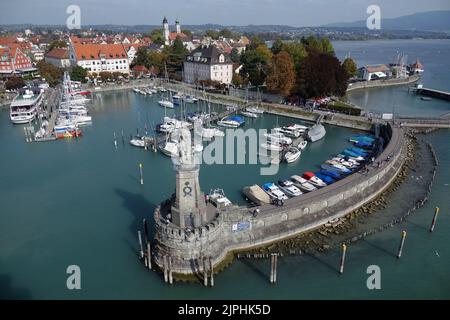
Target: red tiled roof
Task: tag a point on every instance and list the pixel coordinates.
(183, 36)
(95, 51)
(140, 69)
(58, 53)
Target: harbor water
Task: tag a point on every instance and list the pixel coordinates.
(79, 202)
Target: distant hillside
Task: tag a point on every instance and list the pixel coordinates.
(425, 21)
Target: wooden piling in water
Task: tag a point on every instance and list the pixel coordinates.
(211, 269)
(145, 227)
(344, 250)
(272, 268)
(141, 173)
(433, 223)
(165, 268)
(275, 268)
(149, 256)
(402, 242)
(115, 140)
(170, 270)
(205, 272)
(141, 250)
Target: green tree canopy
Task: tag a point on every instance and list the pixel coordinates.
(350, 66)
(214, 34)
(277, 46)
(234, 55)
(255, 62)
(226, 33)
(297, 52)
(78, 74)
(175, 56)
(157, 37)
(141, 58)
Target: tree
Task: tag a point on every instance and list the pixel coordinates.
(281, 74)
(234, 55)
(327, 46)
(56, 44)
(297, 51)
(187, 32)
(350, 66)
(255, 42)
(105, 75)
(157, 60)
(321, 75)
(226, 33)
(51, 73)
(238, 80)
(212, 34)
(14, 83)
(78, 74)
(277, 46)
(175, 56)
(255, 62)
(142, 58)
(157, 37)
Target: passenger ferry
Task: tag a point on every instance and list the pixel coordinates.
(23, 108)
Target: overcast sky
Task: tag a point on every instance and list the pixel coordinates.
(225, 12)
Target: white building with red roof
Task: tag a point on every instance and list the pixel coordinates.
(99, 57)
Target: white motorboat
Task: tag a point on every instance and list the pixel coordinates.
(278, 137)
(302, 145)
(274, 191)
(289, 188)
(218, 199)
(288, 132)
(297, 127)
(165, 103)
(292, 155)
(138, 141)
(271, 147)
(302, 184)
(169, 148)
(249, 114)
(256, 110)
(76, 120)
(348, 164)
(209, 133)
(227, 122)
(136, 90)
(315, 181)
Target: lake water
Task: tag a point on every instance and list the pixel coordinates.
(79, 202)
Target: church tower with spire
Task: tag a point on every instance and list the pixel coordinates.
(177, 26)
(166, 31)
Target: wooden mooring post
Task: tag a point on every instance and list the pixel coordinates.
(165, 268)
(141, 173)
(211, 269)
(170, 270)
(344, 250)
(273, 267)
(205, 272)
(433, 223)
(402, 242)
(149, 256)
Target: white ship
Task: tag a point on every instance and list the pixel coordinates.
(23, 108)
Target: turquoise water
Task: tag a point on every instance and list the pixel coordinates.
(80, 202)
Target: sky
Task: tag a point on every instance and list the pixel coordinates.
(225, 12)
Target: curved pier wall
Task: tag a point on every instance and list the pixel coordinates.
(237, 229)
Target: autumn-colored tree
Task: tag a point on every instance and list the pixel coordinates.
(277, 46)
(105, 75)
(281, 74)
(14, 83)
(350, 66)
(238, 80)
(51, 73)
(321, 75)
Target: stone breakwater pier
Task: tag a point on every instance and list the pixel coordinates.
(198, 242)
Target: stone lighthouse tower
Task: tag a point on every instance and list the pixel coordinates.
(166, 31)
(189, 208)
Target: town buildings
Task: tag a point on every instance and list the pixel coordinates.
(208, 63)
(99, 57)
(14, 62)
(59, 57)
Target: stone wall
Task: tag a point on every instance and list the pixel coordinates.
(299, 214)
(382, 83)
